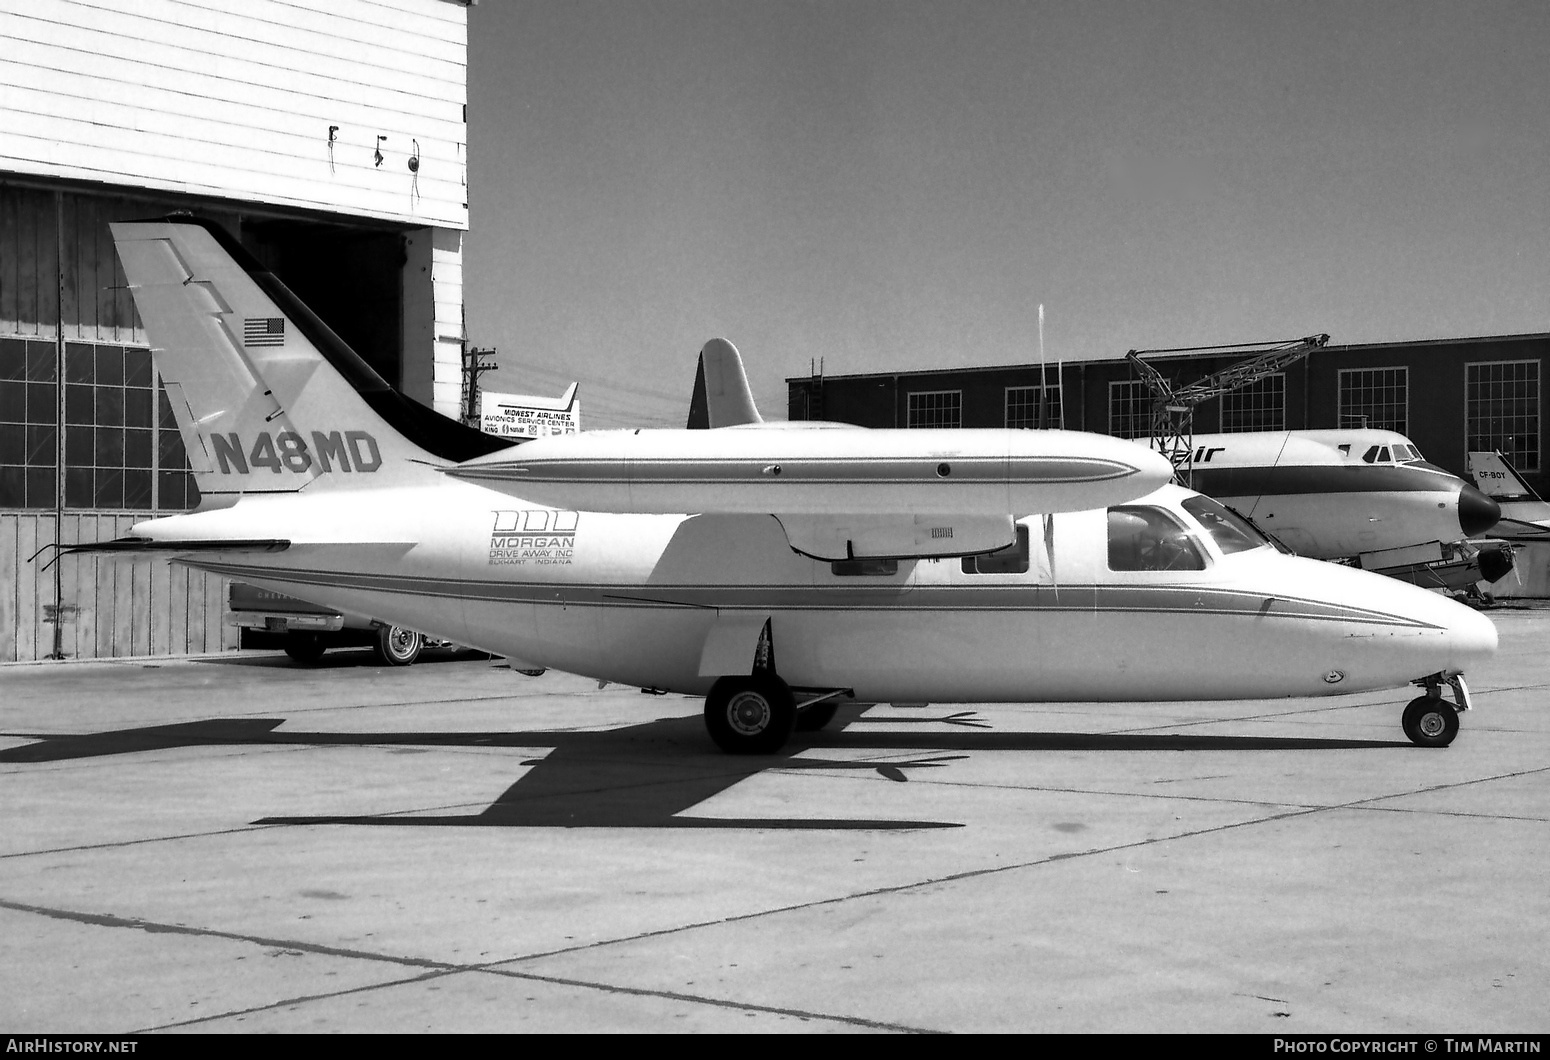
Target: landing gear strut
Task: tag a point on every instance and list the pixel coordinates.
(1430, 720)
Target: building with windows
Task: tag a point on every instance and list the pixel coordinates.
(1449, 396)
(328, 136)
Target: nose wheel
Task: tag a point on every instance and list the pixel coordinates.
(1430, 722)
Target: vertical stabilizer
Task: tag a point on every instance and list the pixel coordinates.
(268, 399)
(728, 399)
(1498, 479)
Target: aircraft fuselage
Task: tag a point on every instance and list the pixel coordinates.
(639, 600)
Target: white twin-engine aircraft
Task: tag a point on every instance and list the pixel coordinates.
(773, 568)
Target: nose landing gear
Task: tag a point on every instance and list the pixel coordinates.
(1430, 720)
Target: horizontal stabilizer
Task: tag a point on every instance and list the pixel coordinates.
(135, 546)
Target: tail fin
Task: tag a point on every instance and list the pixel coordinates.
(267, 398)
(721, 396)
(1498, 479)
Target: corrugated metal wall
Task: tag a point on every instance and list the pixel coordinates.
(103, 607)
(107, 607)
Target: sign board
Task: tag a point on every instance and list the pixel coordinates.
(529, 415)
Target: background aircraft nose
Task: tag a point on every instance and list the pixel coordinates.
(1477, 512)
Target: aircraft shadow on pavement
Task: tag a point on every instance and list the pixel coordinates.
(645, 776)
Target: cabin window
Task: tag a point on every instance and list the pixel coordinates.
(1231, 532)
(847, 568)
(1374, 398)
(1010, 560)
(1144, 538)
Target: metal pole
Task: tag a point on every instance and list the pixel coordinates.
(59, 422)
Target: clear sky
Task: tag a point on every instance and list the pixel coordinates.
(891, 184)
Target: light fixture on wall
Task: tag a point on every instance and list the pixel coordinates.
(414, 170)
(333, 134)
(378, 153)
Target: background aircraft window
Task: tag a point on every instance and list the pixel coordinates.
(1010, 560)
(1143, 538)
(849, 567)
(1231, 532)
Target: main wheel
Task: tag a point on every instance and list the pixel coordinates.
(814, 718)
(305, 648)
(750, 715)
(1430, 722)
(397, 646)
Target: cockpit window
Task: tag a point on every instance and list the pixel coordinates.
(1406, 453)
(1145, 538)
(1010, 560)
(1231, 532)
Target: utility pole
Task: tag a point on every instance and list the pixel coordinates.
(475, 364)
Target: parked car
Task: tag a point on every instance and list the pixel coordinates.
(306, 631)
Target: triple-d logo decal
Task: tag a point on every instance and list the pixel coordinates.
(536, 536)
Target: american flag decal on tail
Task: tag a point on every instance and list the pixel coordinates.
(263, 331)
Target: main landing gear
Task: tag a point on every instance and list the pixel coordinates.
(752, 715)
(756, 714)
(1430, 720)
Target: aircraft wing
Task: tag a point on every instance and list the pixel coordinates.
(838, 493)
(908, 492)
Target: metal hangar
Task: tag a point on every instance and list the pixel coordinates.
(328, 136)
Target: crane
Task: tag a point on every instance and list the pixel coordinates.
(1173, 408)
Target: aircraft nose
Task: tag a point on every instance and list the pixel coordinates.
(1477, 512)
(1471, 638)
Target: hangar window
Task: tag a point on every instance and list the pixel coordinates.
(1130, 410)
(122, 452)
(1501, 410)
(1260, 406)
(935, 408)
(1033, 406)
(1145, 538)
(1010, 560)
(29, 418)
(1375, 398)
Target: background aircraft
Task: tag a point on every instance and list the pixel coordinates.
(1362, 495)
(814, 564)
(1525, 515)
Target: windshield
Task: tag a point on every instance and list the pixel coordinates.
(1231, 532)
